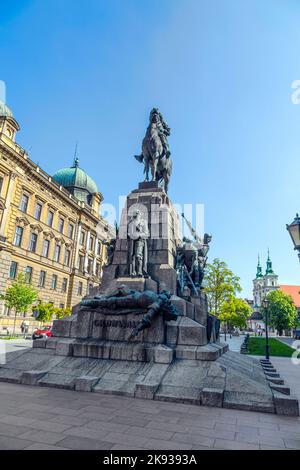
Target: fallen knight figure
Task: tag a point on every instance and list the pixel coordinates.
(124, 300)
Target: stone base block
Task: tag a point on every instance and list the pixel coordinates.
(85, 383)
(10, 375)
(145, 390)
(57, 380)
(138, 283)
(178, 394)
(64, 347)
(115, 350)
(207, 353)
(163, 354)
(62, 327)
(39, 343)
(180, 304)
(51, 343)
(190, 310)
(212, 397)
(249, 402)
(285, 405)
(31, 377)
(186, 352)
(191, 333)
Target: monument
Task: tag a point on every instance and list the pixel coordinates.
(146, 331)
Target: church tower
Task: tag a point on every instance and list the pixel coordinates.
(257, 285)
(263, 284)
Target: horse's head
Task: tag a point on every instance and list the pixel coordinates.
(154, 116)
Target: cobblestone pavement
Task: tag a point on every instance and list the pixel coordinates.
(48, 418)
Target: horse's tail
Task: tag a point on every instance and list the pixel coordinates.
(139, 158)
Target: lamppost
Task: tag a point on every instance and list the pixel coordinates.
(265, 303)
(294, 231)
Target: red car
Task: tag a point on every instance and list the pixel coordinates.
(44, 332)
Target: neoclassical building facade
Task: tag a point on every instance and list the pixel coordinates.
(50, 227)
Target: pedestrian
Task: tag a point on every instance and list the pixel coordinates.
(22, 327)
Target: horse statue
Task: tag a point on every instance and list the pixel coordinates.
(155, 150)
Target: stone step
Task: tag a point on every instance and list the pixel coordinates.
(281, 388)
(285, 405)
(275, 381)
(271, 374)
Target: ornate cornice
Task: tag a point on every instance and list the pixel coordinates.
(36, 228)
(22, 221)
(60, 240)
(48, 234)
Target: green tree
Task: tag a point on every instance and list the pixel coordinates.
(234, 313)
(44, 312)
(281, 311)
(220, 284)
(62, 312)
(19, 296)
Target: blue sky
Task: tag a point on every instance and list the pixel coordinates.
(221, 73)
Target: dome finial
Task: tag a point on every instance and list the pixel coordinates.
(76, 159)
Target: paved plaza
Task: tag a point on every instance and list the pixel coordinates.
(49, 418)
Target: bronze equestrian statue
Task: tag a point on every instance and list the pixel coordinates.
(156, 154)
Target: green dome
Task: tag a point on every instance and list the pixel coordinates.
(75, 180)
(4, 110)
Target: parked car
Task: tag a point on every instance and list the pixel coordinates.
(44, 332)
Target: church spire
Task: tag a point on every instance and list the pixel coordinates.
(269, 269)
(258, 269)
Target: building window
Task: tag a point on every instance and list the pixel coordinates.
(71, 231)
(64, 284)
(91, 243)
(13, 270)
(50, 218)
(90, 288)
(61, 305)
(24, 203)
(54, 281)
(38, 211)
(90, 266)
(67, 257)
(32, 242)
(80, 263)
(98, 270)
(28, 274)
(61, 224)
(82, 238)
(99, 248)
(18, 236)
(1, 183)
(42, 279)
(45, 250)
(79, 288)
(57, 253)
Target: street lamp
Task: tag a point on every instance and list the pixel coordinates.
(265, 303)
(294, 231)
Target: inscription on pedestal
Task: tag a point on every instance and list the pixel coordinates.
(116, 323)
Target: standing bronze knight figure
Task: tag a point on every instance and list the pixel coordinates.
(156, 154)
(138, 234)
